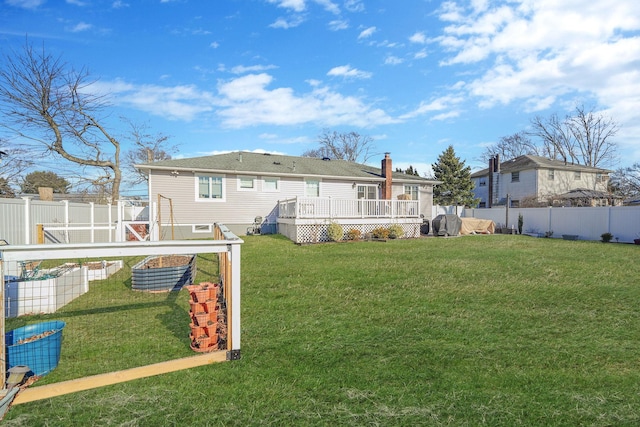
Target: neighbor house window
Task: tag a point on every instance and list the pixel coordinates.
(552, 175)
(483, 182)
(246, 183)
(271, 184)
(411, 190)
(312, 188)
(577, 175)
(601, 177)
(515, 176)
(210, 187)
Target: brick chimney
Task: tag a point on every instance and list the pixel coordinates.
(386, 173)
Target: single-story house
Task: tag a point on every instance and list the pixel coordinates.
(533, 180)
(294, 196)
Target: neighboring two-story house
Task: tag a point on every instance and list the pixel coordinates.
(534, 181)
(294, 196)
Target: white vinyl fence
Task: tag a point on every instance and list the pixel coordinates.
(587, 223)
(64, 221)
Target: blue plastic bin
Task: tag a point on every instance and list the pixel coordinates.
(41, 355)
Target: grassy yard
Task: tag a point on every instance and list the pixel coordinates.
(481, 330)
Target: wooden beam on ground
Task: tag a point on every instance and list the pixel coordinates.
(95, 381)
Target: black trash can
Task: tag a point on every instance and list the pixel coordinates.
(424, 228)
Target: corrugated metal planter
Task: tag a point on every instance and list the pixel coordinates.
(163, 273)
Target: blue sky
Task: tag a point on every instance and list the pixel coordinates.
(414, 75)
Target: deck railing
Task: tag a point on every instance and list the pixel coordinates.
(329, 208)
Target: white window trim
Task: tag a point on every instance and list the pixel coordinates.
(411, 187)
(319, 181)
(254, 180)
(269, 190)
(201, 228)
(197, 188)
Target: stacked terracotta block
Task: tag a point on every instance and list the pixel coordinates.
(204, 312)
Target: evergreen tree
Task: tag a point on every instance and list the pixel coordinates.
(44, 179)
(5, 189)
(456, 187)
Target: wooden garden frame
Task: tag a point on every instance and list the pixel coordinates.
(226, 245)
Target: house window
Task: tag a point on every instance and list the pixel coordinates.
(210, 187)
(601, 177)
(246, 183)
(515, 176)
(411, 190)
(201, 228)
(367, 192)
(577, 175)
(552, 175)
(312, 188)
(271, 184)
(515, 203)
(483, 182)
(482, 205)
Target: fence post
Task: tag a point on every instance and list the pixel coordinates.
(40, 233)
(27, 220)
(93, 221)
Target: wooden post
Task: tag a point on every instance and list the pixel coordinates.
(40, 233)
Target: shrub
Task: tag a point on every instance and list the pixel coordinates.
(606, 237)
(335, 232)
(396, 231)
(380, 233)
(354, 234)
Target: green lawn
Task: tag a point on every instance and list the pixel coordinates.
(480, 330)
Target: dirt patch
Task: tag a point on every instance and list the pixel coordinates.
(167, 261)
(36, 337)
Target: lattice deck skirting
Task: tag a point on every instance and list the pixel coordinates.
(316, 233)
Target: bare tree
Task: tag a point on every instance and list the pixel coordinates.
(14, 161)
(349, 146)
(147, 148)
(593, 133)
(584, 138)
(510, 147)
(626, 181)
(555, 137)
(48, 103)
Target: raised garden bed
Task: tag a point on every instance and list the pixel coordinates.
(98, 270)
(46, 293)
(163, 273)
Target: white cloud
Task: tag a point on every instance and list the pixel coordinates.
(296, 5)
(183, 102)
(448, 102)
(393, 60)
(285, 24)
(418, 38)
(354, 5)
(247, 101)
(25, 4)
(329, 6)
(348, 71)
(80, 27)
(420, 55)
(540, 52)
(241, 69)
(119, 4)
(214, 45)
(338, 24)
(364, 34)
